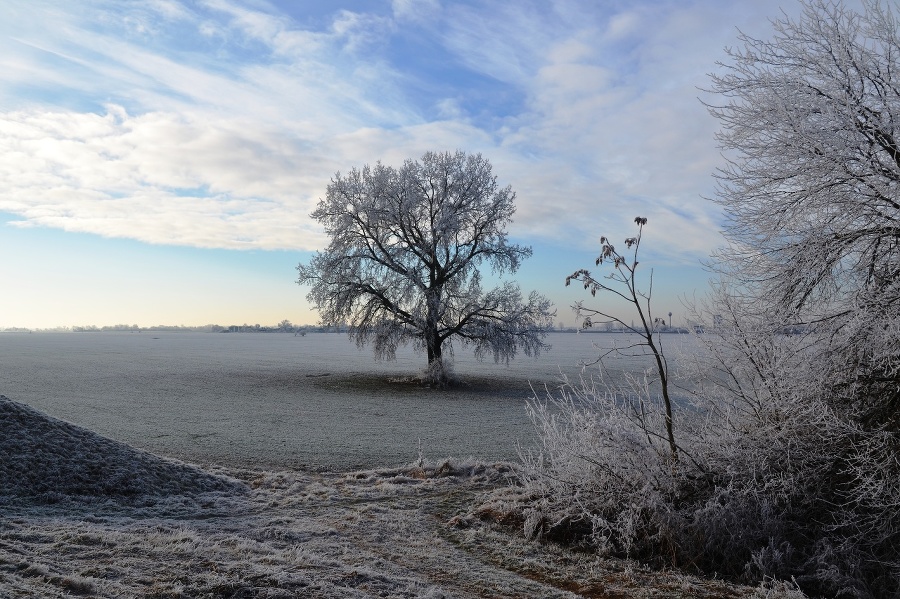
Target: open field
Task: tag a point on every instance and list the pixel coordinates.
(277, 401)
(303, 490)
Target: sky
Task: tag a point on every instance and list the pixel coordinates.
(159, 159)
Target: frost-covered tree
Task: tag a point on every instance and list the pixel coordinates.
(403, 262)
(791, 448)
(811, 127)
(812, 187)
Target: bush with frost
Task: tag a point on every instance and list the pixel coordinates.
(775, 477)
(786, 462)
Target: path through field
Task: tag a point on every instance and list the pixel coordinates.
(82, 515)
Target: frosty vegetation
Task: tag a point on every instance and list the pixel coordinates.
(790, 450)
(85, 516)
(403, 262)
(622, 283)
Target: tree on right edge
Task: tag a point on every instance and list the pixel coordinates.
(788, 456)
(811, 193)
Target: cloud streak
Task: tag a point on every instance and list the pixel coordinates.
(219, 124)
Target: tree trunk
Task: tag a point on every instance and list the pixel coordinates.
(436, 375)
(434, 351)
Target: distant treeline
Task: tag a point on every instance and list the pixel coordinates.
(307, 328)
(285, 326)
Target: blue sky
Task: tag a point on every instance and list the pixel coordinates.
(160, 158)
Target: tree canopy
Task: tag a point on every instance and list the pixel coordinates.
(812, 188)
(404, 257)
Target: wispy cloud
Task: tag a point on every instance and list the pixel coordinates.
(181, 179)
(219, 124)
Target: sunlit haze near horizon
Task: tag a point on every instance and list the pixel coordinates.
(160, 158)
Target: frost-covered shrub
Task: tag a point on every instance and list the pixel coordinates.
(784, 465)
(439, 373)
(598, 478)
(778, 589)
(785, 458)
(774, 481)
(788, 463)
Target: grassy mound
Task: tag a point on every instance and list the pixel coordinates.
(49, 459)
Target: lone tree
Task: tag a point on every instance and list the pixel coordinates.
(403, 262)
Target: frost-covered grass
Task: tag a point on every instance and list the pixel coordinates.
(276, 401)
(48, 460)
(81, 515)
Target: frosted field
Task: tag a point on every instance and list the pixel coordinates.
(83, 515)
(278, 401)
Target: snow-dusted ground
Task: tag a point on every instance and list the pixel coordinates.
(278, 401)
(81, 515)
